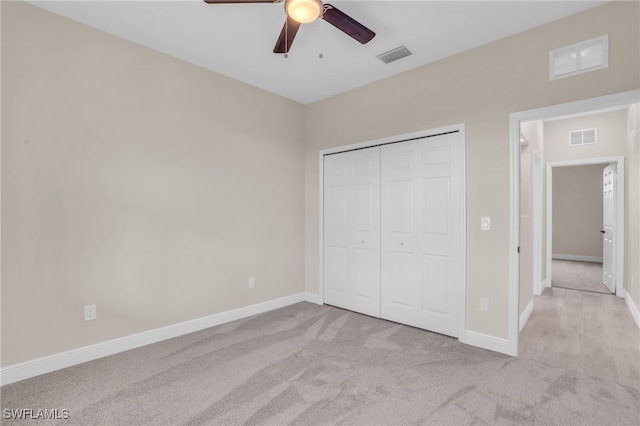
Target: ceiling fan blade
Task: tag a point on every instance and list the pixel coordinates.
(288, 33)
(241, 1)
(347, 24)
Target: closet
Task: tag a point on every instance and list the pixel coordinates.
(393, 231)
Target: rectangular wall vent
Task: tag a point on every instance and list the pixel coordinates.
(589, 55)
(394, 54)
(582, 137)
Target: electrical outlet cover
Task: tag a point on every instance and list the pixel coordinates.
(89, 312)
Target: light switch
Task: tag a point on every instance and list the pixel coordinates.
(485, 223)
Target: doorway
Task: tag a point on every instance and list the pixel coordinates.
(582, 232)
(571, 328)
(517, 310)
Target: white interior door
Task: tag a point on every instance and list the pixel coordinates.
(352, 230)
(422, 233)
(608, 219)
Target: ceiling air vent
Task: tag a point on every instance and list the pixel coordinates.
(394, 54)
(582, 137)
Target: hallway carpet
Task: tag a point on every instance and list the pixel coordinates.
(307, 364)
(591, 333)
(585, 276)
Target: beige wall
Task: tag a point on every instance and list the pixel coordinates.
(577, 210)
(611, 132)
(155, 188)
(148, 186)
(480, 88)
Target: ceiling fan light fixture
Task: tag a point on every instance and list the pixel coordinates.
(303, 11)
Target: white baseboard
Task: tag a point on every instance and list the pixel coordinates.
(576, 257)
(491, 343)
(47, 364)
(537, 290)
(632, 308)
(524, 316)
(313, 298)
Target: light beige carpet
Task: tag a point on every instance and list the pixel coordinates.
(585, 276)
(307, 365)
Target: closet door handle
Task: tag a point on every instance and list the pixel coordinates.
(602, 232)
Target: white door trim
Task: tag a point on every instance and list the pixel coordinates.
(393, 139)
(577, 107)
(618, 247)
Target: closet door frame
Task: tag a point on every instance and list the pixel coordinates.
(461, 291)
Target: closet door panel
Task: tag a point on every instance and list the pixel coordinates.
(435, 282)
(425, 293)
(393, 232)
(352, 230)
(336, 276)
(400, 269)
(401, 203)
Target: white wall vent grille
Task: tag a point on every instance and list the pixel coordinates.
(586, 56)
(582, 137)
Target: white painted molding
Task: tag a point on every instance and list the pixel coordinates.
(576, 257)
(313, 298)
(524, 316)
(632, 308)
(540, 287)
(47, 364)
(491, 343)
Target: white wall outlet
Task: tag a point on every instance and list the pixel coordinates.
(485, 223)
(89, 312)
(252, 282)
(484, 304)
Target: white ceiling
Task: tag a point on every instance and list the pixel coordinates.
(237, 40)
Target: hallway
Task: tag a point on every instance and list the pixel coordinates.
(575, 275)
(591, 333)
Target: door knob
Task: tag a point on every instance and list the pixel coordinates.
(602, 232)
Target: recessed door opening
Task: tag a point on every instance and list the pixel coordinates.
(570, 231)
(392, 215)
(582, 227)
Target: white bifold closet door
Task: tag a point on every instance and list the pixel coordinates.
(393, 232)
(422, 233)
(352, 230)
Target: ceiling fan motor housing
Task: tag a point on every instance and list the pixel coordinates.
(304, 11)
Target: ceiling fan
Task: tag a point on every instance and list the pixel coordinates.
(305, 11)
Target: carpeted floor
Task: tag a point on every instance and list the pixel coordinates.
(585, 276)
(586, 332)
(308, 364)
